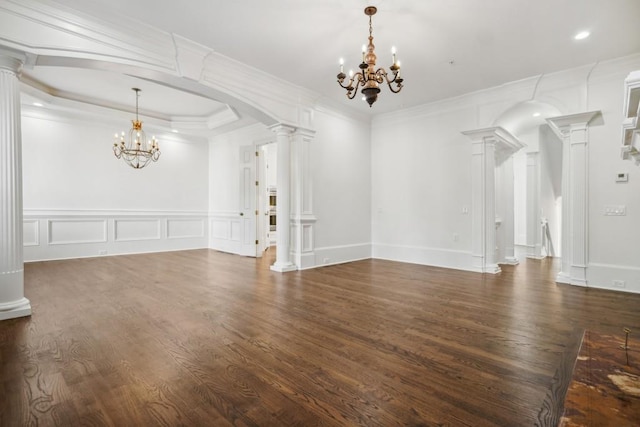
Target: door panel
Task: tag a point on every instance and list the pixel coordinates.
(247, 199)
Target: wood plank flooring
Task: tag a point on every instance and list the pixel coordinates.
(202, 338)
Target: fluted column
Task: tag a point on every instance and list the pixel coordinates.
(487, 145)
(283, 205)
(303, 220)
(573, 131)
(12, 301)
(507, 212)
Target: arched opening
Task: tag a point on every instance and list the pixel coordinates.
(537, 176)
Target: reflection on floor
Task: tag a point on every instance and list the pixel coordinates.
(605, 387)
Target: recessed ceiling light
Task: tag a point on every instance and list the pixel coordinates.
(582, 35)
(37, 104)
(536, 114)
(174, 130)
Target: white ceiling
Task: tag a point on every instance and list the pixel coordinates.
(447, 47)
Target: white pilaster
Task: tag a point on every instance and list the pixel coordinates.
(534, 228)
(303, 220)
(507, 212)
(487, 145)
(12, 301)
(283, 207)
(573, 131)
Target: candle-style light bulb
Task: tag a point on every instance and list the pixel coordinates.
(350, 73)
(393, 54)
(342, 65)
(364, 50)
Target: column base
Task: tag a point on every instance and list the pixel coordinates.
(12, 310)
(538, 257)
(510, 260)
(283, 268)
(563, 278)
(492, 269)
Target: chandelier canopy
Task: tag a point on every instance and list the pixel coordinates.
(368, 77)
(136, 151)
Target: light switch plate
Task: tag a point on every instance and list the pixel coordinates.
(615, 210)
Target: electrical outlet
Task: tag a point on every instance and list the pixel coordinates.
(619, 284)
(102, 252)
(325, 261)
(455, 237)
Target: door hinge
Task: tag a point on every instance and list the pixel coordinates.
(256, 212)
(257, 154)
(256, 242)
(256, 183)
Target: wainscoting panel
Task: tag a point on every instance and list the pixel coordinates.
(70, 231)
(91, 233)
(225, 232)
(31, 235)
(185, 228)
(127, 230)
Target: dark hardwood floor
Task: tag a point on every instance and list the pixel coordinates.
(202, 338)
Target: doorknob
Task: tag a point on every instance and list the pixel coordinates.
(241, 213)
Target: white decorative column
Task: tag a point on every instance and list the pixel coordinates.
(303, 220)
(534, 227)
(487, 145)
(283, 206)
(573, 131)
(12, 301)
(507, 213)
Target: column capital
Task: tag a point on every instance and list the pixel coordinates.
(505, 143)
(563, 125)
(10, 63)
(282, 129)
(305, 133)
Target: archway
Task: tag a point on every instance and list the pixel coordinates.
(537, 175)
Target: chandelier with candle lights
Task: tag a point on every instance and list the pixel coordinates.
(136, 151)
(368, 77)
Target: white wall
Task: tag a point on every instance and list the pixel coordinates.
(421, 180)
(79, 200)
(421, 168)
(341, 177)
(613, 240)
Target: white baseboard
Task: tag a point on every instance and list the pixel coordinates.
(602, 276)
(330, 255)
(436, 257)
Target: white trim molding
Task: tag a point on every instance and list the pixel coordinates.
(573, 131)
(85, 233)
(490, 148)
(435, 257)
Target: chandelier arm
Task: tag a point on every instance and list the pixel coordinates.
(360, 80)
(381, 73)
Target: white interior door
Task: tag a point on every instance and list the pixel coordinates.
(248, 196)
(262, 202)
